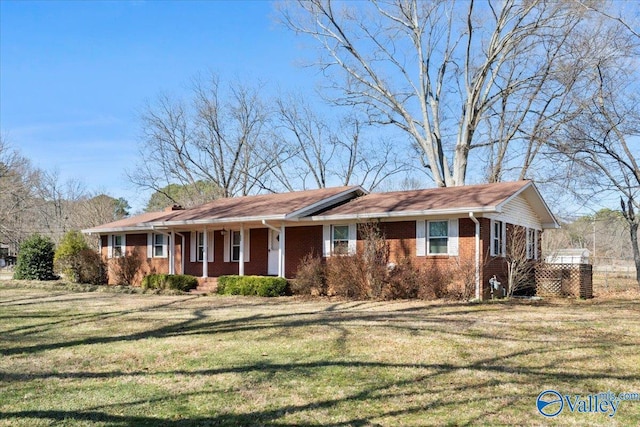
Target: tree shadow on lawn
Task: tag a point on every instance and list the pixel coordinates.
(399, 319)
(377, 393)
(493, 364)
(71, 320)
(32, 300)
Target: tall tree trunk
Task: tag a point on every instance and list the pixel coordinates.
(633, 230)
(629, 214)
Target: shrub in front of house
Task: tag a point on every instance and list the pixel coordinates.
(77, 262)
(92, 268)
(354, 277)
(175, 282)
(252, 285)
(403, 281)
(310, 277)
(126, 268)
(347, 277)
(35, 259)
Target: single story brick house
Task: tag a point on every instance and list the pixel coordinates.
(269, 234)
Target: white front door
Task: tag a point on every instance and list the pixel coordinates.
(274, 252)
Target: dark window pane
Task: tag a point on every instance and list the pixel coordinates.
(438, 228)
(438, 246)
(340, 232)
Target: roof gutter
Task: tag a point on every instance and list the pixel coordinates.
(477, 260)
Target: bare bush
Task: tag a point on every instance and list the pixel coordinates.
(520, 265)
(347, 277)
(375, 256)
(368, 274)
(125, 268)
(403, 281)
(91, 268)
(463, 283)
(310, 277)
(435, 281)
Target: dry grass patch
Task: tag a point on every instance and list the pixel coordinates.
(71, 358)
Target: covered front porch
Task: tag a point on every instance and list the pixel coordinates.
(212, 250)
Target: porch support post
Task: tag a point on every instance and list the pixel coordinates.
(281, 270)
(241, 257)
(172, 253)
(205, 253)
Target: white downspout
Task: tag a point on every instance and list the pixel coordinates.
(477, 261)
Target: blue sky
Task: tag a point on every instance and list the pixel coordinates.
(74, 75)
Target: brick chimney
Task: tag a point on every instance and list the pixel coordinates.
(173, 208)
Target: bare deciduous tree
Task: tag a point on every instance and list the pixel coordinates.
(603, 139)
(57, 202)
(219, 138)
(453, 76)
(314, 153)
(18, 181)
(37, 201)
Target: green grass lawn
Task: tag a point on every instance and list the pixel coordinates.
(97, 358)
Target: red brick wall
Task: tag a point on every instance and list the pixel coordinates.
(400, 235)
(136, 245)
(300, 241)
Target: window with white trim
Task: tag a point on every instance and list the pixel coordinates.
(235, 246)
(438, 237)
(160, 246)
(200, 247)
(340, 239)
(497, 238)
(117, 244)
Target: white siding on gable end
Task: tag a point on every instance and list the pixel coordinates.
(518, 211)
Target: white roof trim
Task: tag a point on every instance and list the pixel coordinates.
(139, 227)
(342, 196)
(214, 221)
(422, 213)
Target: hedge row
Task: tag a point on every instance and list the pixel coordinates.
(177, 282)
(252, 285)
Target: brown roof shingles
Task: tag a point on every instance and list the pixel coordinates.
(482, 196)
(134, 221)
(263, 206)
